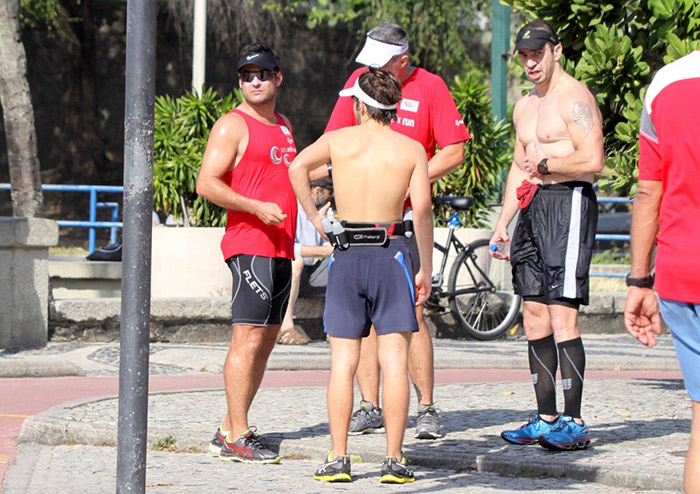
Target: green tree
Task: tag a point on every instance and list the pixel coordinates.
(615, 48)
(180, 135)
(487, 154)
(445, 35)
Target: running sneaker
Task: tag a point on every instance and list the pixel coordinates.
(428, 423)
(368, 419)
(529, 433)
(566, 436)
(247, 449)
(395, 471)
(216, 442)
(334, 469)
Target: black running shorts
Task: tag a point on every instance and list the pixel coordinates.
(260, 289)
(553, 241)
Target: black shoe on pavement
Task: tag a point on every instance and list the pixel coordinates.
(334, 469)
(247, 449)
(395, 471)
(217, 442)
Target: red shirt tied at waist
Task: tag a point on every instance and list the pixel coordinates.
(262, 174)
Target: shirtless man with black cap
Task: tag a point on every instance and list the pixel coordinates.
(558, 149)
(370, 275)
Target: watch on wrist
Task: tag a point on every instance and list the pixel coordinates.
(542, 167)
(646, 282)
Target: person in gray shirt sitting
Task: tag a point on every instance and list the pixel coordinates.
(309, 268)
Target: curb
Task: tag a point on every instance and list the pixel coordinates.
(39, 368)
(46, 429)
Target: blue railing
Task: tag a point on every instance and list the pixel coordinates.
(92, 223)
(612, 237)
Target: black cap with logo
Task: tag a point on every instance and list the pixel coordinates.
(262, 59)
(534, 35)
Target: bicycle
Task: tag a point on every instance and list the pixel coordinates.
(483, 304)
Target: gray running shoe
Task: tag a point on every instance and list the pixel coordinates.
(368, 419)
(428, 423)
(396, 472)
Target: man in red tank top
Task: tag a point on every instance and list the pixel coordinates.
(244, 170)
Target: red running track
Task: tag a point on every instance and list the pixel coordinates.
(22, 397)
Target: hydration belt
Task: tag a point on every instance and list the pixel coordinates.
(374, 233)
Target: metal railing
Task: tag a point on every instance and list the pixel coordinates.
(92, 222)
(612, 237)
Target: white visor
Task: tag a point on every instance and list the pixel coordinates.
(357, 92)
(378, 53)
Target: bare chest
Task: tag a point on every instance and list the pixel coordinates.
(540, 119)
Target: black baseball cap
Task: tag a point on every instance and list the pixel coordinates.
(262, 59)
(533, 36)
(325, 183)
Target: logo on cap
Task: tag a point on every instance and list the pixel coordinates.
(250, 57)
(527, 34)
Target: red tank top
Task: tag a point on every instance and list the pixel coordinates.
(262, 174)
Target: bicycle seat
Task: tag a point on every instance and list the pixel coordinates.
(460, 203)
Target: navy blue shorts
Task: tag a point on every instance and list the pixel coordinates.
(370, 285)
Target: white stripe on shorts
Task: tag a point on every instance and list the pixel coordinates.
(573, 244)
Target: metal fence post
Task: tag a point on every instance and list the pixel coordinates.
(136, 262)
(93, 218)
(500, 43)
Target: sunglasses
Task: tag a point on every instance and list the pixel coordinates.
(262, 75)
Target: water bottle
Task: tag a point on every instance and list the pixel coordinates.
(341, 236)
(408, 223)
(501, 248)
(327, 225)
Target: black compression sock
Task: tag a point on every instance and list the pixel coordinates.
(573, 363)
(542, 355)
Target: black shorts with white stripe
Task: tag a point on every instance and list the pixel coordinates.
(553, 242)
(260, 291)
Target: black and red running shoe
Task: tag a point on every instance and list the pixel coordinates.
(247, 449)
(216, 442)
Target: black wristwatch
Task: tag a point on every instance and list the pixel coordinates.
(542, 167)
(646, 282)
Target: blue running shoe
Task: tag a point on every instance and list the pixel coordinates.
(566, 436)
(529, 433)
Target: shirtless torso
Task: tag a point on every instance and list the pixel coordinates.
(562, 124)
(373, 166)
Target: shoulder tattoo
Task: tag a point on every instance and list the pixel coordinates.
(583, 115)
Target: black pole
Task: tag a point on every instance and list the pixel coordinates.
(136, 261)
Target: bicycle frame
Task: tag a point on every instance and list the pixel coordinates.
(459, 247)
(445, 249)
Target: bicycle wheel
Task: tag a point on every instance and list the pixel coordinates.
(484, 302)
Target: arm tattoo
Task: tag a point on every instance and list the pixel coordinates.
(583, 115)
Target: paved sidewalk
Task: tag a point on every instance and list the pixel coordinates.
(40, 469)
(640, 425)
(640, 429)
(603, 352)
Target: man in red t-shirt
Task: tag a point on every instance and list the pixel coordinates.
(426, 113)
(245, 170)
(666, 207)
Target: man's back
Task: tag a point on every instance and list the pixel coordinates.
(372, 168)
(669, 153)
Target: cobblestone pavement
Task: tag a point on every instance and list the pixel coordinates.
(640, 430)
(42, 469)
(603, 352)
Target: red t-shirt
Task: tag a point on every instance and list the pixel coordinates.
(262, 174)
(426, 112)
(669, 151)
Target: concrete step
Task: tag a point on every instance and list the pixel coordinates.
(207, 320)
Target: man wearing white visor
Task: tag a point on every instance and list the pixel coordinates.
(427, 114)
